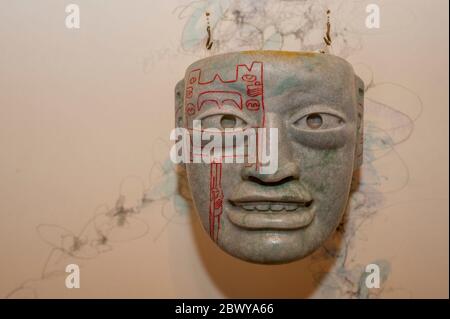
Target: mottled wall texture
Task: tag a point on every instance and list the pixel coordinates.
(85, 175)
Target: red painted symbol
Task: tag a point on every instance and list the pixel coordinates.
(254, 90)
(214, 91)
(252, 105)
(211, 98)
(190, 109)
(189, 91)
(249, 78)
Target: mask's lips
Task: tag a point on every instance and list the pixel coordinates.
(293, 191)
(271, 213)
(266, 207)
(274, 205)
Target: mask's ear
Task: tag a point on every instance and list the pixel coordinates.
(179, 111)
(359, 88)
(179, 103)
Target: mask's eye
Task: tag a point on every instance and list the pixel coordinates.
(223, 121)
(318, 121)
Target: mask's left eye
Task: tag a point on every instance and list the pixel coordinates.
(318, 122)
(223, 121)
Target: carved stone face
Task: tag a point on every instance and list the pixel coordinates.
(316, 103)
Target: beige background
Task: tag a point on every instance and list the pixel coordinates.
(82, 111)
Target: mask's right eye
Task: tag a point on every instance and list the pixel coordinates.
(223, 121)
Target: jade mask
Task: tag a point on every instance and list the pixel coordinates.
(315, 101)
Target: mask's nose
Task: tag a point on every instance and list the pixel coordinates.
(288, 168)
(286, 173)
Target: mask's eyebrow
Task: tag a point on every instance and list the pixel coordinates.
(298, 99)
(294, 100)
(303, 99)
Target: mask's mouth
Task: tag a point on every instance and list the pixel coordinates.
(270, 213)
(273, 206)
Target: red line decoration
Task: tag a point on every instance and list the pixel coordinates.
(215, 200)
(211, 97)
(247, 95)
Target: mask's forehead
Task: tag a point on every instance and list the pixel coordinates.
(246, 82)
(227, 84)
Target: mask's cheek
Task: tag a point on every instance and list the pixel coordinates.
(211, 186)
(327, 175)
(231, 177)
(198, 175)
